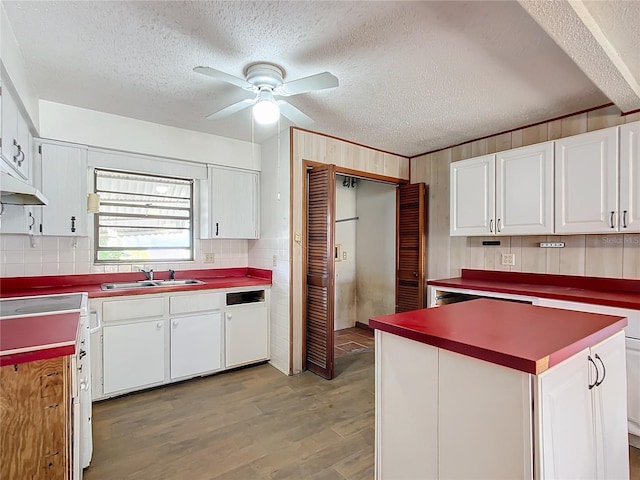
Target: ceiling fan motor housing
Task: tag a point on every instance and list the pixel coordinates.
(265, 75)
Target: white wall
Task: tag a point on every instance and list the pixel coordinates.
(375, 249)
(98, 129)
(14, 67)
(271, 251)
(345, 270)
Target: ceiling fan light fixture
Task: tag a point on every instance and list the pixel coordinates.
(266, 110)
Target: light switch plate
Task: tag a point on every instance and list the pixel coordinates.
(209, 258)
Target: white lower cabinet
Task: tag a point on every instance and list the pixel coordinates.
(246, 334)
(133, 355)
(431, 403)
(196, 343)
(154, 339)
(583, 420)
(633, 385)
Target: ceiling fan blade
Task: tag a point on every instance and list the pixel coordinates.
(224, 77)
(320, 81)
(293, 114)
(231, 109)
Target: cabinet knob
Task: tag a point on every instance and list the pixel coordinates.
(158, 325)
(175, 323)
(228, 316)
(84, 384)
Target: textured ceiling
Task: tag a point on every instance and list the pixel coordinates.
(414, 76)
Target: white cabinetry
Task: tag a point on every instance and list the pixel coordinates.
(509, 193)
(229, 204)
(246, 334)
(583, 416)
(15, 145)
(587, 182)
(133, 343)
(629, 219)
(64, 182)
(196, 334)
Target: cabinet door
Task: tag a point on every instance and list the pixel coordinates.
(10, 152)
(234, 204)
(196, 344)
(246, 335)
(524, 190)
(472, 184)
(586, 174)
(64, 183)
(630, 177)
(566, 441)
(133, 355)
(610, 408)
(18, 219)
(633, 385)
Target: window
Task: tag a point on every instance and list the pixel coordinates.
(143, 218)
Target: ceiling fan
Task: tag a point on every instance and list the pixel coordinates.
(266, 80)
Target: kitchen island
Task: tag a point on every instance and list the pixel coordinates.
(492, 389)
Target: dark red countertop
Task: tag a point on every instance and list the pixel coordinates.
(523, 337)
(38, 337)
(212, 278)
(614, 292)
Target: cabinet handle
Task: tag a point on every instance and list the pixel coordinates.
(611, 219)
(17, 155)
(217, 228)
(597, 373)
(22, 157)
(624, 219)
(604, 371)
(33, 221)
(82, 354)
(498, 226)
(158, 325)
(491, 225)
(175, 323)
(73, 224)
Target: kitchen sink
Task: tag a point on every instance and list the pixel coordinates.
(150, 284)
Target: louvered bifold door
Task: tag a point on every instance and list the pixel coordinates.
(411, 220)
(320, 270)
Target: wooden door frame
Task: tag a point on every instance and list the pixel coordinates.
(306, 165)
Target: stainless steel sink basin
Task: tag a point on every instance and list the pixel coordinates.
(149, 284)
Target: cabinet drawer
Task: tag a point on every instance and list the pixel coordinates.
(133, 309)
(197, 302)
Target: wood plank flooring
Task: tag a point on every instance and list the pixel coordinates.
(352, 340)
(248, 424)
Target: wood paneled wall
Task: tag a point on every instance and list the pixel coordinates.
(307, 145)
(615, 255)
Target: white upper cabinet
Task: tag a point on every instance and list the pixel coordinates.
(64, 182)
(15, 145)
(472, 184)
(509, 193)
(587, 182)
(629, 210)
(524, 190)
(229, 204)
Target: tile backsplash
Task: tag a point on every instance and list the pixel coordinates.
(24, 255)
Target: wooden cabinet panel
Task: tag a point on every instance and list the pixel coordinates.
(35, 404)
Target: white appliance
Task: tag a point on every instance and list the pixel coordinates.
(16, 307)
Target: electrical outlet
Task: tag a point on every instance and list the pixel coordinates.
(508, 259)
(275, 260)
(344, 255)
(209, 258)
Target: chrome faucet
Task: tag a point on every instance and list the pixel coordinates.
(148, 274)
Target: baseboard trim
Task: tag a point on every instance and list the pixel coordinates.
(364, 326)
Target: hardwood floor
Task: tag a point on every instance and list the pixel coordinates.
(352, 340)
(249, 424)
